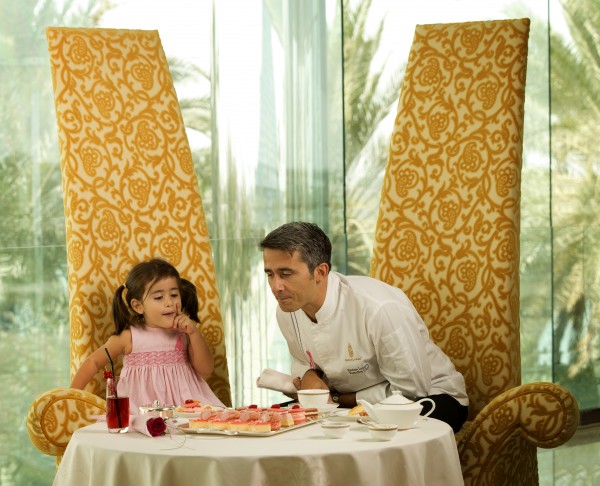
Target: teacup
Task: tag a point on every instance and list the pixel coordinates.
(313, 398)
(335, 430)
(383, 431)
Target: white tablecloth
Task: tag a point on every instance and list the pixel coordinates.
(425, 455)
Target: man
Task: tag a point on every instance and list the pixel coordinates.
(356, 336)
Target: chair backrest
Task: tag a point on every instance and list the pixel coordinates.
(130, 191)
(448, 226)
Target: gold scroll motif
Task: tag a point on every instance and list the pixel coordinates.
(130, 191)
(448, 227)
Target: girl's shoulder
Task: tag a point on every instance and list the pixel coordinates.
(124, 340)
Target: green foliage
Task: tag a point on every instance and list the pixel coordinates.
(576, 208)
(33, 287)
(368, 99)
(197, 111)
(560, 231)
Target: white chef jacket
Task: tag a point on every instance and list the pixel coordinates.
(369, 339)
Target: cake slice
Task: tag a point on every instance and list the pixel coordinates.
(259, 426)
(286, 419)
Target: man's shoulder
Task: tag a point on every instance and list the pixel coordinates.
(350, 279)
(369, 289)
(364, 283)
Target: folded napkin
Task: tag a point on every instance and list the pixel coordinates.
(148, 425)
(275, 380)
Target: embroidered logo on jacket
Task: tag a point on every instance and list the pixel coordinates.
(351, 356)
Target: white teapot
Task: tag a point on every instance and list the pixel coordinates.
(397, 409)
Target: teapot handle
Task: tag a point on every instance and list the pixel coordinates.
(432, 406)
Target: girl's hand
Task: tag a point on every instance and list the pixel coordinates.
(183, 322)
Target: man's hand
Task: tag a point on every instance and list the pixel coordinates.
(346, 400)
(311, 381)
(297, 381)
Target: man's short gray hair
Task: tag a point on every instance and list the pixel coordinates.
(310, 241)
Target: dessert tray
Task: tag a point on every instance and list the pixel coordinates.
(185, 428)
(189, 415)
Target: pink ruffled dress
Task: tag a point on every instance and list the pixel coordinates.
(158, 368)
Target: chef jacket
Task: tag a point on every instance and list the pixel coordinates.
(369, 339)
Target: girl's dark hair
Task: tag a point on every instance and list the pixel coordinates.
(310, 241)
(140, 278)
(189, 299)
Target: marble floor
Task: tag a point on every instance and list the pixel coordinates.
(576, 463)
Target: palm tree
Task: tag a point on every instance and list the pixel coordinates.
(572, 248)
(368, 100)
(576, 206)
(197, 117)
(33, 288)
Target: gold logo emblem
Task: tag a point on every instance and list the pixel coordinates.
(351, 355)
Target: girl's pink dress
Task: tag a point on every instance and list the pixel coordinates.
(158, 368)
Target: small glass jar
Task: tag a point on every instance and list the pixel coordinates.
(157, 409)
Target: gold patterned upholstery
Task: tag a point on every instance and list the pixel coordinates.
(130, 193)
(448, 235)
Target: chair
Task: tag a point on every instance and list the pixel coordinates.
(130, 193)
(448, 235)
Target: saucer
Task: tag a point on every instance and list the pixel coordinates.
(343, 416)
(329, 407)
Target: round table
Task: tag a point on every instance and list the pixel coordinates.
(425, 455)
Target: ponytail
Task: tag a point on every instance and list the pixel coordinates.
(120, 311)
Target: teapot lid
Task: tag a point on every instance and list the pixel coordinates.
(396, 398)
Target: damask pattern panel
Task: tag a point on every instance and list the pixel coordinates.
(130, 191)
(448, 226)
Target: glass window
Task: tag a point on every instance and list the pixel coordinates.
(277, 157)
(281, 128)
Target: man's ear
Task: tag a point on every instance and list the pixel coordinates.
(321, 271)
(137, 306)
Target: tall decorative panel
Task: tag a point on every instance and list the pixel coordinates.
(448, 235)
(130, 193)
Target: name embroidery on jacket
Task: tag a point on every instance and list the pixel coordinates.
(361, 369)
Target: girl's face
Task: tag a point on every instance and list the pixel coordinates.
(160, 304)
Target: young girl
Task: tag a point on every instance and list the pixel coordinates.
(164, 353)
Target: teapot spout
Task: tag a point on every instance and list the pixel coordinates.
(369, 408)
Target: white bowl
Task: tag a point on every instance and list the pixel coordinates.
(383, 431)
(313, 398)
(335, 430)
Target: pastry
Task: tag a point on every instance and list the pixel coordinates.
(359, 410)
(298, 414)
(311, 413)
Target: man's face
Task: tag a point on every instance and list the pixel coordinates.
(292, 284)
